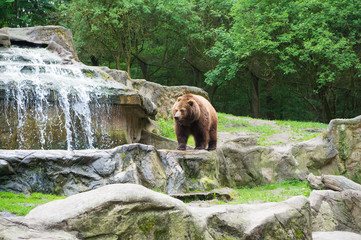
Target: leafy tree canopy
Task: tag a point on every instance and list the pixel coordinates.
(25, 13)
(319, 37)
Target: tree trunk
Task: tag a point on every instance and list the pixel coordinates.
(269, 101)
(143, 66)
(94, 60)
(325, 105)
(255, 97)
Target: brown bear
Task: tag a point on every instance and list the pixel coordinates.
(194, 115)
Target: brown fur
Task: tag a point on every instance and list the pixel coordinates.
(194, 115)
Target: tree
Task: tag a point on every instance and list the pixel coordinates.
(124, 28)
(308, 42)
(26, 13)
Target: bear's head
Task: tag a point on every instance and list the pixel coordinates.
(186, 110)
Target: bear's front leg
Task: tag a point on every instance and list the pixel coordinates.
(182, 133)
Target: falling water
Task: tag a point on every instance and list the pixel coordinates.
(60, 104)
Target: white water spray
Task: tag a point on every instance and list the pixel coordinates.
(40, 92)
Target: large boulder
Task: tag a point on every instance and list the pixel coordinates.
(285, 220)
(336, 211)
(192, 170)
(129, 211)
(118, 211)
(317, 155)
(56, 38)
(247, 164)
(344, 134)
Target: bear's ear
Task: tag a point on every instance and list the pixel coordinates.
(178, 99)
(190, 103)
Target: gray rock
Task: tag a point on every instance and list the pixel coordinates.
(339, 183)
(118, 211)
(5, 168)
(257, 165)
(129, 211)
(71, 172)
(4, 38)
(318, 155)
(164, 96)
(158, 142)
(285, 220)
(11, 229)
(223, 194)
(336, 211)
(56, 38)
(315, 182)
(344, 134)
(335, 235)
(191, 170)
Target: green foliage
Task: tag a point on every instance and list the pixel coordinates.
(26, 13)
(302, 47)
(21, 204)
(304, 56)
(274, 192)
(166, 128)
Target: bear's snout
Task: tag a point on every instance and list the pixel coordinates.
(176, 117)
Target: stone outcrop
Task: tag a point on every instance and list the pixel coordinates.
(285, 220)
(335, 235)
(337, 183)
(56, 38)
(70, 172)
(336, 211)
(10, 230)
(170, 171)
(128, 211)
(344, 134)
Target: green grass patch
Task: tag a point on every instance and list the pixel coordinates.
(302, 131)
(273, 193)
(166, 129)
(21, 204)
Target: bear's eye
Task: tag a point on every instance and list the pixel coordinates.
(182, 111)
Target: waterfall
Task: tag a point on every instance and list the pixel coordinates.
(60, 106)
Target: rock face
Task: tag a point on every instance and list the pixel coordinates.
(336, 211)
(335, 235)
(70, 172)
(344, 134)
(128, 211)
(56, 38)
(119, 211)
(285, 220)
(10, 230)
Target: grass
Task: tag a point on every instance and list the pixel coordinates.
(226, 122)
(21, 204)
(166, 129)
(273, 193)
(301, 128)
